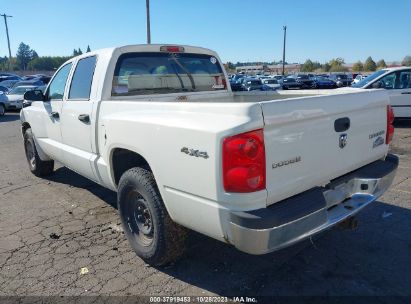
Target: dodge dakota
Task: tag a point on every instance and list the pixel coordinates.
(160, 125)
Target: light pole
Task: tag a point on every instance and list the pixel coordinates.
(8, 39)
(285, 35)
(148, 21)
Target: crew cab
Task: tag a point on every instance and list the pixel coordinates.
(160, 125)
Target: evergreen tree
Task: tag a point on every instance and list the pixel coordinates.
(370, 65)
(88, 49)
(406, 61)
(358, 66)
(381, 64)
(24, 55)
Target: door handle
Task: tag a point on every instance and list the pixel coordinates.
(84, 118)
(54, 115)
(406, 93)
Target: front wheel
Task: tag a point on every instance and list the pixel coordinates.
(148, 227)
(37, 166)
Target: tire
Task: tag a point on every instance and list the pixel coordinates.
(148, 227)
(37, 166)
(2, 109)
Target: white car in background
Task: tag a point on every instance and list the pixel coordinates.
(15, 97)
(272, 83)
(358, 78)
(397, 82)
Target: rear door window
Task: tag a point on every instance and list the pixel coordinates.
(163, 73)
(82, 79)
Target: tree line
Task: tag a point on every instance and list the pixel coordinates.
(28, 59)
(338, 65)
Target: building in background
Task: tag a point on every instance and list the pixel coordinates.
(268, 69)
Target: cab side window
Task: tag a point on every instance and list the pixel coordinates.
(82, 79)
(404, 80)
(388, 81)
(58, 84)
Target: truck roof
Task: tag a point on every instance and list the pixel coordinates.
(147, 48)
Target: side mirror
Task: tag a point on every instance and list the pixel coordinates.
(34, 95)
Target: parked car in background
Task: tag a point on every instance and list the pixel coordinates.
(44, 78)
(306, 80)
(8, 83)
(291, 83)
(29, 77)
(34, 82)
(7, 76)
(236, 82)
(358, 78)
(278, 77)
(323, 83)
(397, 82)
(3, 89)
(3, 101)
(15, 97)
(272, 83)
(341, 80)
(251, 84)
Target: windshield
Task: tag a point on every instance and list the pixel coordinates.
(162, 73)
(368, 79)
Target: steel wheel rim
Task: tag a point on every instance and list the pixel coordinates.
(139, 220)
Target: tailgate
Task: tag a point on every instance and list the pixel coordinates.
(303, 147)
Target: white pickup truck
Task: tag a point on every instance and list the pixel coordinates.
(160, 125)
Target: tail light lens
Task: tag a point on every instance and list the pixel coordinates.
(390, 127)
(172, 49)
(244, 162)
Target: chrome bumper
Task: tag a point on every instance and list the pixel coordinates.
(341, 200)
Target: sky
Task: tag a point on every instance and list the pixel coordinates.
(241, 30)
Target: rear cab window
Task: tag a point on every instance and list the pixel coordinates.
(164, 73)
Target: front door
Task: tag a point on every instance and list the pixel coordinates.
(77, 121)
(51, 142)
(400, 96)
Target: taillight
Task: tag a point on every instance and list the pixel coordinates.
(244, 162)
(390, 127)
(172, 49)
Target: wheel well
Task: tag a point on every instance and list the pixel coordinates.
(24, 127)
(123, 159)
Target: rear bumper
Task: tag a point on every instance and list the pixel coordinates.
(294, 219)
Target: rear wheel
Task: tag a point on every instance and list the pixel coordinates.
(37, 166)
(2, 110)
(152, 234)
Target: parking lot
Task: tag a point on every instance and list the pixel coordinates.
(62, 236)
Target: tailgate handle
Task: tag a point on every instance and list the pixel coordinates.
(342, 124)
